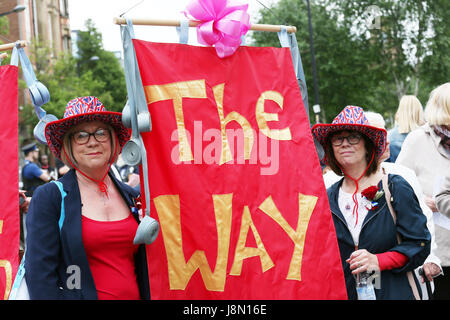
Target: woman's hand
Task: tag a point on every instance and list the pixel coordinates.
(133, 180)
(430, 270)
(429, 201)
(24, 206)
(362, 260)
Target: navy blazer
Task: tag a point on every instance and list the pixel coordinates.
(379, 234)
(50, 252)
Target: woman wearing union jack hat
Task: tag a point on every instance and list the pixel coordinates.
(365, 228)
(80, 238)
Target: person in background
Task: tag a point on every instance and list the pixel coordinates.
(353, 149)
(126, 174)
(409, 116)
(24, 202)
(432, 266)
(45, 166)
(443, 198)
(426, 151)
(61, 168)
(32, 175)
(96, 230)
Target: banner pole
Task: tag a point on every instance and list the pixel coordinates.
(193, 23)
(10, 46)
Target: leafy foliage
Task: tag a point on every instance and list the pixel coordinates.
(4, 25)
(362, 64)
(67, 76)
(105, 68)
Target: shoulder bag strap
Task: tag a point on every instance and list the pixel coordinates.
(62, 215)
(388, 196)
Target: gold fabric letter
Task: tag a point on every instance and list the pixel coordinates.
(243, 252)
(263, 117)
(8, 271)
(176, 91)
(232, 116)
(306, 206)
(180, 272)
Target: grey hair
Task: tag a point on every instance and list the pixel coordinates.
(375, 119)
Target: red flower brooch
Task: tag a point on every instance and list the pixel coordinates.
(372, 194)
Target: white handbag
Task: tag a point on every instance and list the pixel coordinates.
(19, 290)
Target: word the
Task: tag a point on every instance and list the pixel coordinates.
(196, 89)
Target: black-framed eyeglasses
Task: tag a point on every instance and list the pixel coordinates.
(82, 137)
(353, 138)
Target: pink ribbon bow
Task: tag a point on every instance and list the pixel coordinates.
(223, 22)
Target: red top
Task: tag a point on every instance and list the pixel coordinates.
(110, 252)
(391, 260)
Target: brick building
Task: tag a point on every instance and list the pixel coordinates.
(43, 20)
(46, 20)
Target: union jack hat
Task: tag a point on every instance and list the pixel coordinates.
(352, 118)
(83, 109)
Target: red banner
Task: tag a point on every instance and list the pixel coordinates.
(9, 180)
(235, 181)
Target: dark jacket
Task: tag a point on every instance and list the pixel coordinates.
(50, 252)
(379, 234)
(30, 183)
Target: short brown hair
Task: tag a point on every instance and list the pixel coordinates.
(333, 163)
(67, 146)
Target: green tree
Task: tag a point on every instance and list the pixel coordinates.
(4, 25)
(371, 67)
(61, 78)
(341, 60)
(436, 66)
(67, 77)
(409, 46)
(104, 66)
(409, 31)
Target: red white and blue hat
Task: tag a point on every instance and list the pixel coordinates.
(83, 109)
(352, 118)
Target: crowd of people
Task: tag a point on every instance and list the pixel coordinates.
(92, 220)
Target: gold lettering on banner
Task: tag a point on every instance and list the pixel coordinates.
(243, 252)
(8, 271)
(232, 116)
(176, 92)
(306, 206)
(180, 272)
(263, 117)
